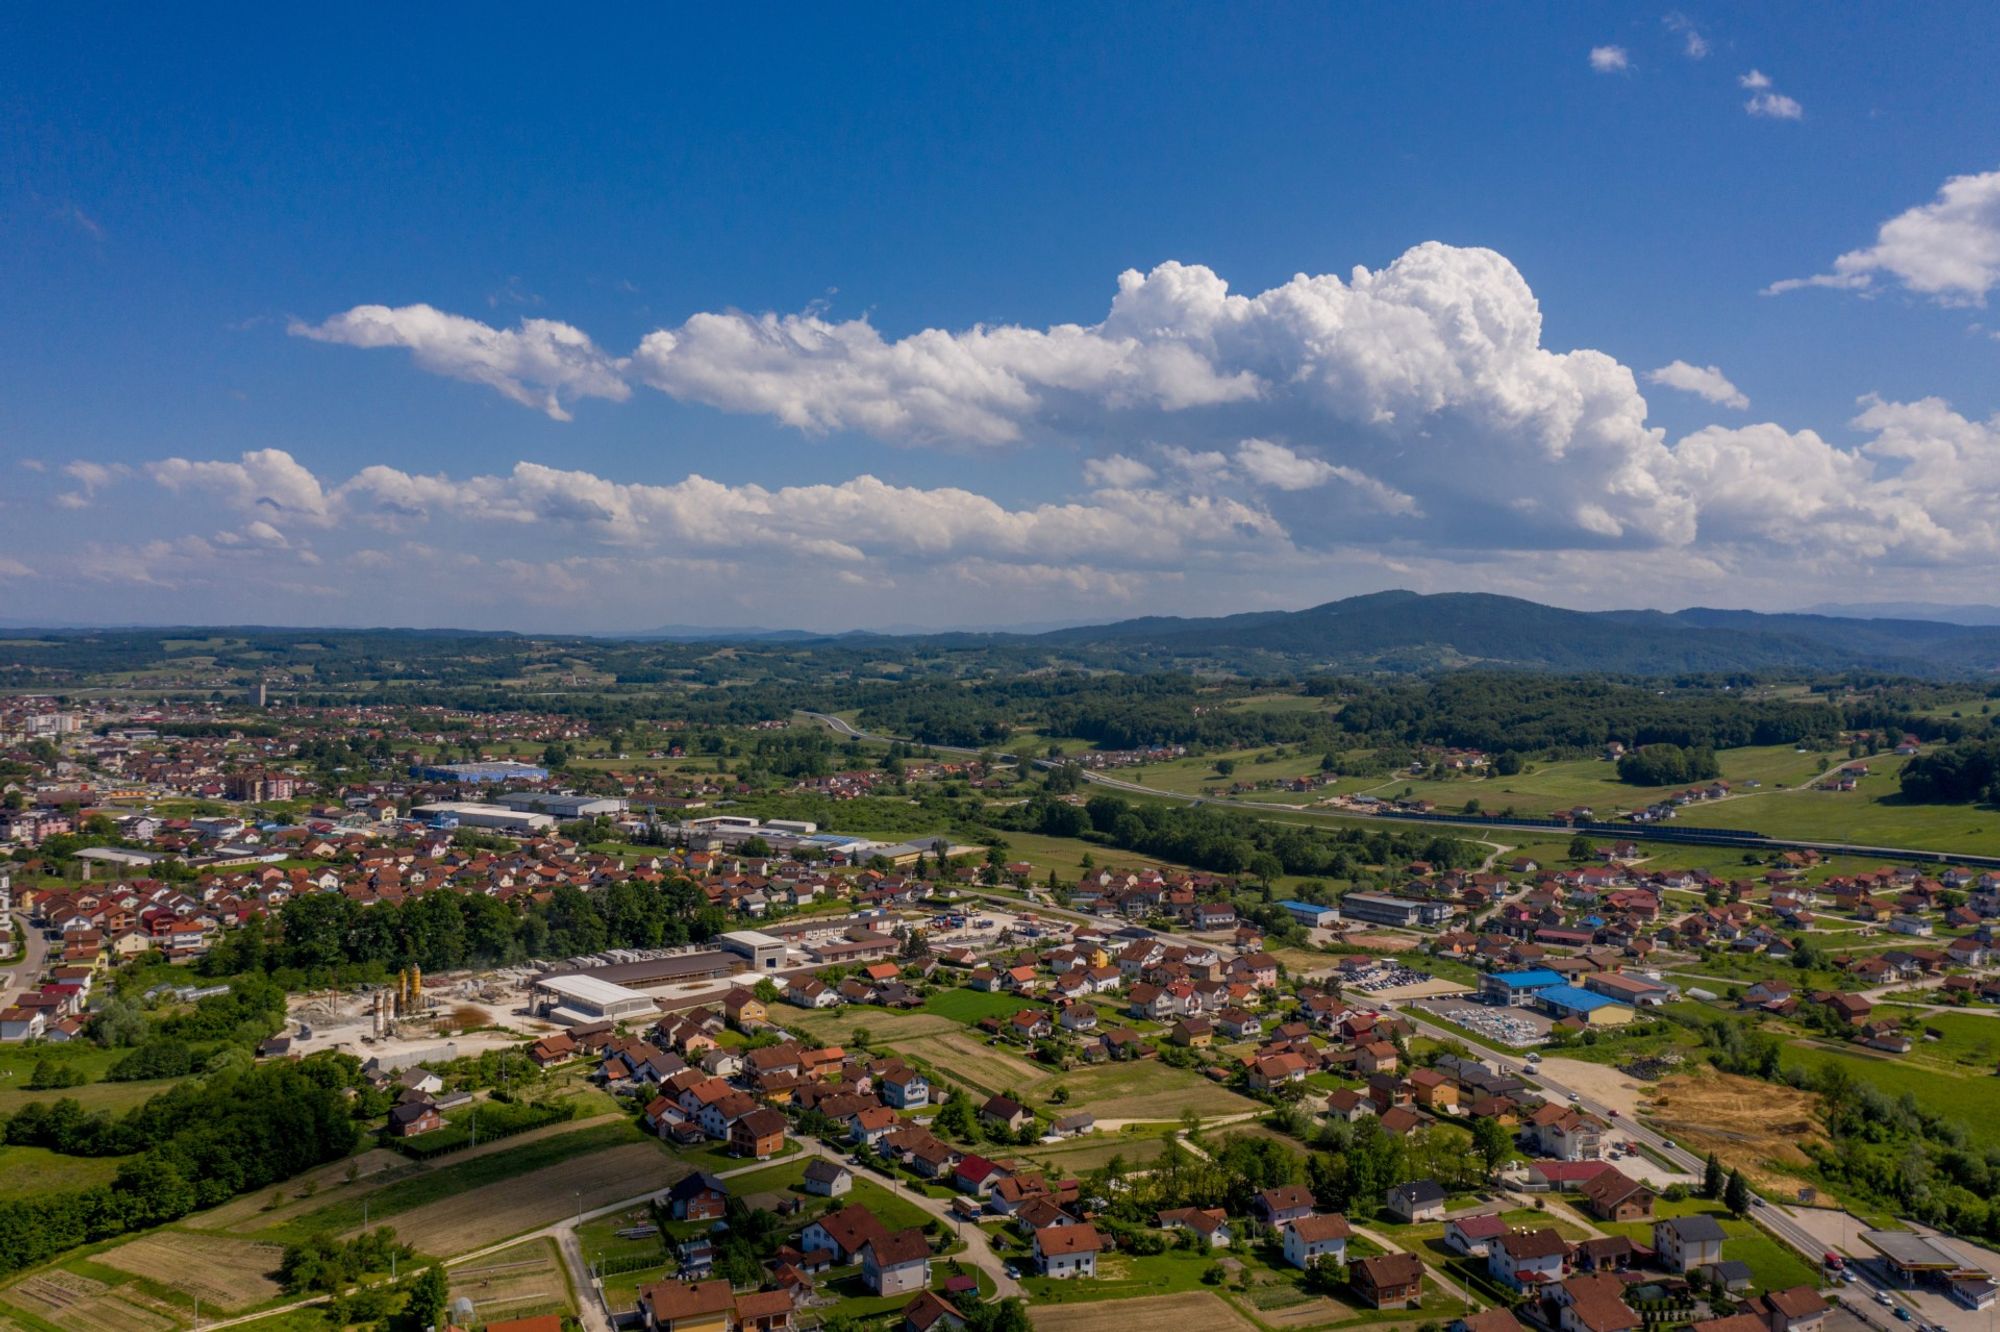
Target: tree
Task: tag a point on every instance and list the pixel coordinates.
(1580, 848)
(556, 756)
(1491, 1141)
(1223, 767)
(429, 1298)
(1712, 1180)
(1736, 1195)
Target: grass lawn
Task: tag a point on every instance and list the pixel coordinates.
(600, 1241)
(971, 1006)
(114, 1097)
(27, 1171)
(1773, 1265)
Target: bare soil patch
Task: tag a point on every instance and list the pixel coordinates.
(1197, 1308)
(1758, 1127)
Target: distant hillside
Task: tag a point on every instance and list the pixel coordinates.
(1408, 631)
(1945, 612)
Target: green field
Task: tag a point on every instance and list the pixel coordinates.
(1967, 1099)
(971, 1006)
(28, 1171)
(1873, 815)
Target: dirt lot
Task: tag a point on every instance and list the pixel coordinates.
(1745, 1122)
(491, 1213)
(1196, 1308)
(520, 1282)
(79, 1304)
(1598, 1082)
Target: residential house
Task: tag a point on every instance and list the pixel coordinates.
(1612, 1195)
(1387, 1279)
(1068, 1251)
(1416, 1200)
(896, 1264)
(1527, 1259)
(1684, 1243)
(1283, 1205)
(1315, 1238)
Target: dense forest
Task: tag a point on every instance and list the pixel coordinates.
(1956, 774)
(1227, 842)
(233, 1131)
(323, 935)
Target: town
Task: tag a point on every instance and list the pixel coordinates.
(684, 1058)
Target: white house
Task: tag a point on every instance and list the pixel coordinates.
(1311, 1239)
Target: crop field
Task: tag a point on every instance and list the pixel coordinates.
(969, 1060)
(81, 1304)
(1189, 1309)
(522, 1282)
(506, 1207)
(886, 1028)
(1093, 1150)
(404, 1192)
(225, 1274)
(1139, 1090)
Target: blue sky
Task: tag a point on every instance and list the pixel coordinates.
(295, 308)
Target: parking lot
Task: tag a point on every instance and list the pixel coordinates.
(1389, 976)
(1510, 1026)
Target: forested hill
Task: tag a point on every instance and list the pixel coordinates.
(1409, 631)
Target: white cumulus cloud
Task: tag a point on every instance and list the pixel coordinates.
(1704, 381)
(538, 364)
(1610, 59)
(1948, 249)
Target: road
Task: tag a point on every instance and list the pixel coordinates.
(22, 974)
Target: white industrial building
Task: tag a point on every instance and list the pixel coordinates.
(765, 951)
(571, 1000)
(564, 806)
(499, 818)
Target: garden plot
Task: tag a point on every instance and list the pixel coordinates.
(225, 1274)
(520, 1282)
(80, 1304)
